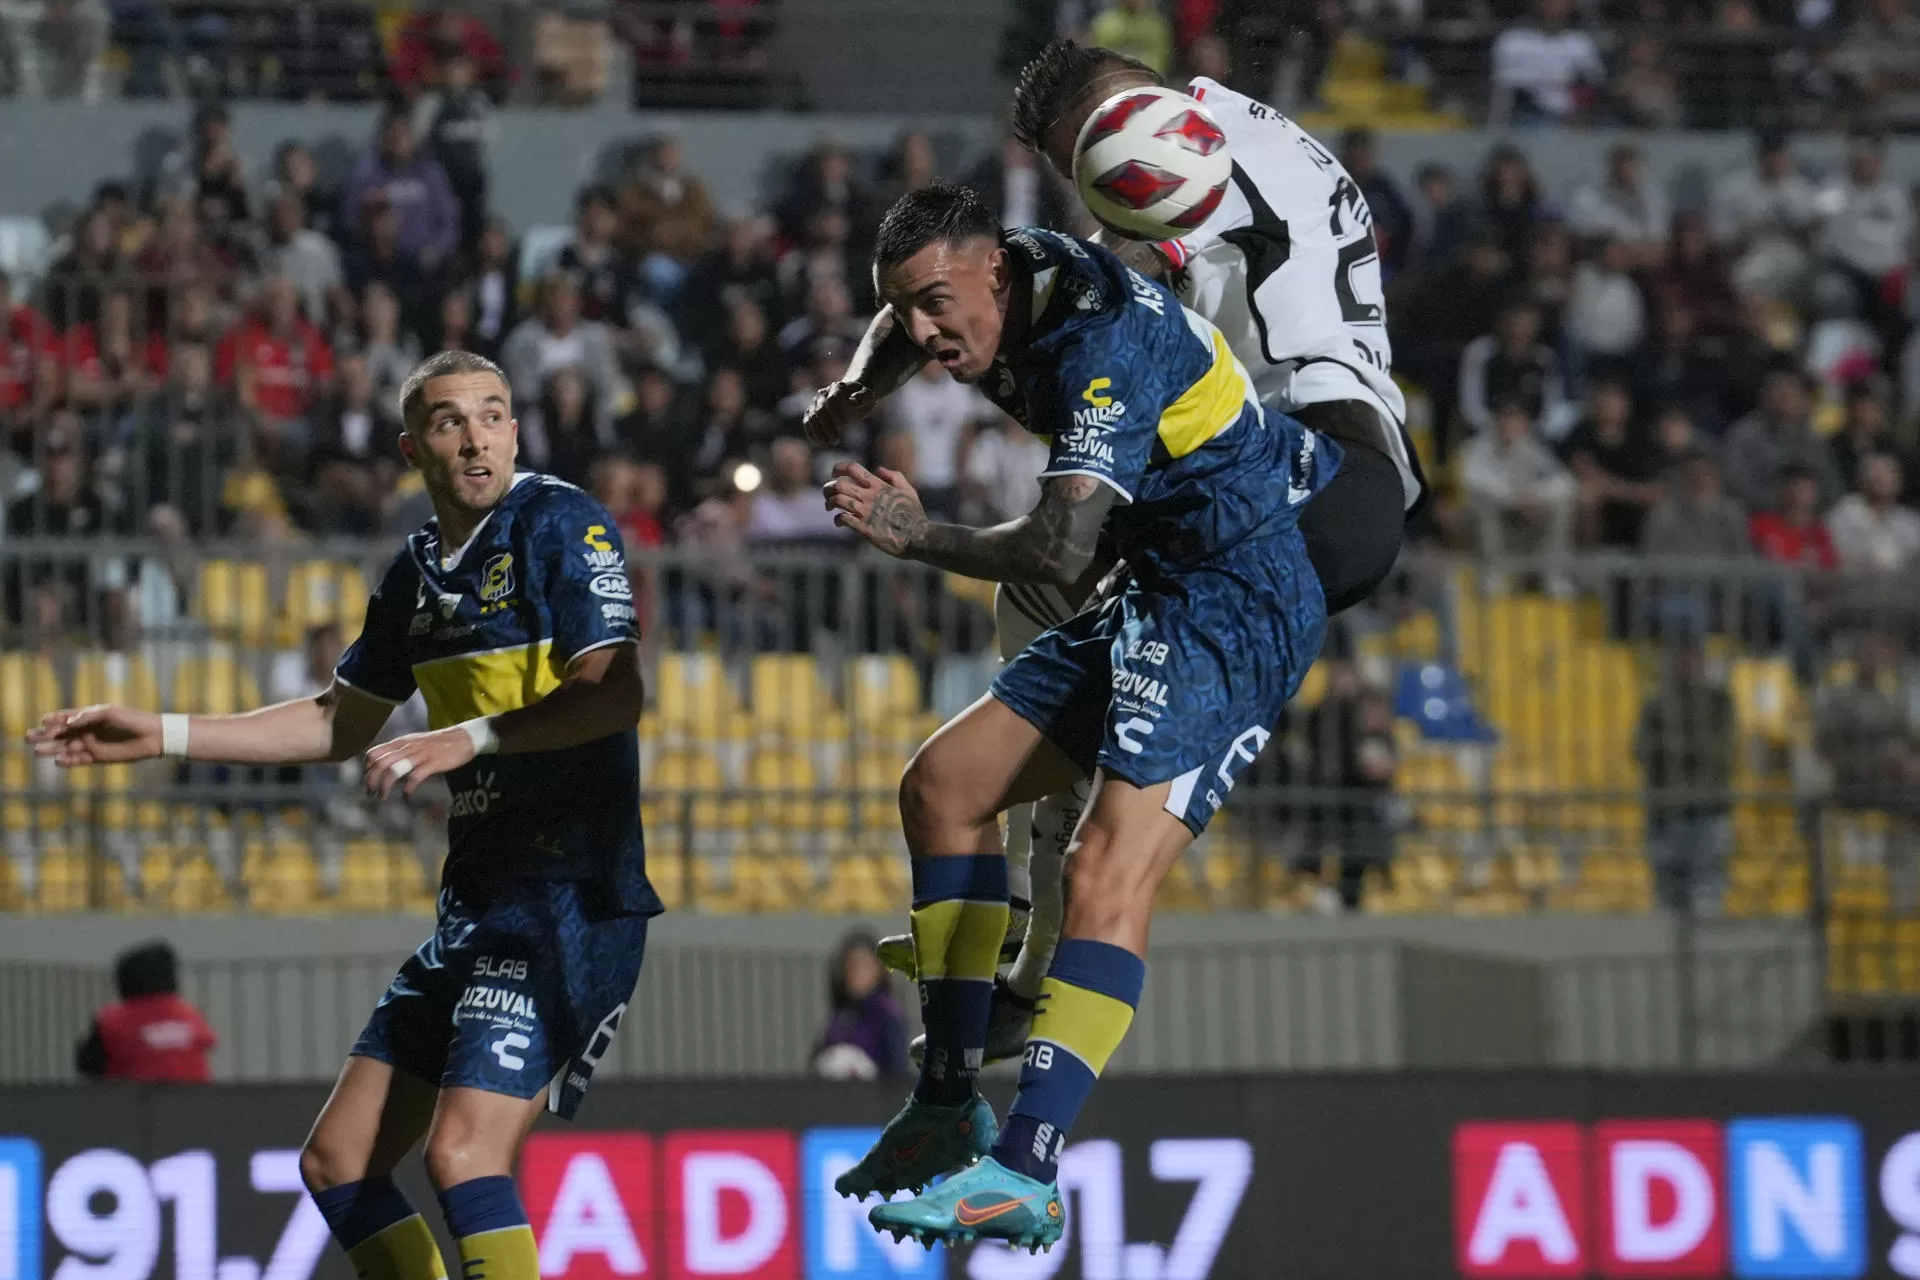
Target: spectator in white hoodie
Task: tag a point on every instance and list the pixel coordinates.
(1521, 494)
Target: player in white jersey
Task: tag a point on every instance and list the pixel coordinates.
(1287, 269)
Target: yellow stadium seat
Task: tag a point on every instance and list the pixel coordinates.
(234, 600)
(1766, 700)
(788, 695)
(29, 688)
(126, 678)
(883, 692)
(378, 877)
(181, 879)
(856, 886)
(668, 876)
(680, 779)
(62, 881)
(282, 880)
(787, 793)
(325, 591)
(693, 694)
(13, 895)
(875, 778)
(213, 683)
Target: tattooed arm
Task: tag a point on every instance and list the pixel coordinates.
(881, 365)
(1138, 254)
(1055, 543)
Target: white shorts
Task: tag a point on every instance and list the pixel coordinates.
(1022, 610)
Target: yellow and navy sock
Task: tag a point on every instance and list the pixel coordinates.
(385, 1238)
(490, 1227)
(959, 921)
(1086, 1004)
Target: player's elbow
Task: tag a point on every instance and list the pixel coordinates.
(1067, 566)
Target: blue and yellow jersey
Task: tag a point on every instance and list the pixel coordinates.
(1130, 387)
(493, 626)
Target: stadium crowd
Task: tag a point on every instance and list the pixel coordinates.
(220, 350)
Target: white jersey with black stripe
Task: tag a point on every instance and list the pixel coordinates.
(1287, 269)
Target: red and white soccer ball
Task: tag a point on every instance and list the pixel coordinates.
(1151, 163)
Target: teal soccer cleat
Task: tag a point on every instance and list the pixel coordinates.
(918, 1145)
(985, 1201)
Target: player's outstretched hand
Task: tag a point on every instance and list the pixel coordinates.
(882, 508)
(408, 761)
(96, 735)
(833, 409)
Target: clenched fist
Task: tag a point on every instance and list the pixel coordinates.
(833, 410)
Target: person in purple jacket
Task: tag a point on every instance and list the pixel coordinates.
(415, 186)
(866, 1035)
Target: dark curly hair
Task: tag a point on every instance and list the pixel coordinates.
(1059, 77)
(938, 213)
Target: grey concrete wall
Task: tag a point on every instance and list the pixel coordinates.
(746, 996)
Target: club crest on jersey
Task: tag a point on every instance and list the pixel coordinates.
(496, 579)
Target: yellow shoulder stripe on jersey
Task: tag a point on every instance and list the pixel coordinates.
(466, 685)
(1212, 404)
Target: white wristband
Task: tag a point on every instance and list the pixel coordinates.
(480, 729)
(173, 735)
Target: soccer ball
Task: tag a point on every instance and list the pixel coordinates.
(1151, 164)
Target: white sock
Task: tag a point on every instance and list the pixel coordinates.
(1019, 852)
(1054, 821)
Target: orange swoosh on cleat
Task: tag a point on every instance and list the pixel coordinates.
(912, 1149)
(968, 1216)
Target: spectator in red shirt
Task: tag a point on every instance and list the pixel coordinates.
(1794, 535)
(29, 365)
(107, 364)
(151, 1034)
(277, 363)
(423, 37)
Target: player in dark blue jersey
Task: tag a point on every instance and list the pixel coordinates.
(1163, 694)
(510, 612)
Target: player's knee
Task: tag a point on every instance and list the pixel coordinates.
(327, 1162)
(930, 791)
(1103, 887)
(464, 1146)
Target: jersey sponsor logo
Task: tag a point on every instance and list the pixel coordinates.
(611, 586)
(1124, 731)
(613, 612)
(1084, 443)
(1026, 242)
(477, 799)
(1146, 294)
(1151, 652)
(1095, 393)
(501, 967)
(1131, 684)
(496, 579)
(1071, 246)
(595, 538)
(504, 1047)
(512, 1004)
(421, 624)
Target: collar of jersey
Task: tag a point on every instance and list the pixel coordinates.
(449, 563)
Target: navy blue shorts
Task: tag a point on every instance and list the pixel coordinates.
(1180, 681)
(524, 991)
